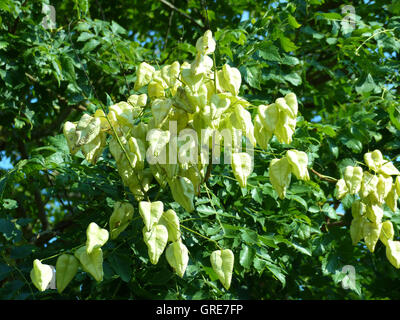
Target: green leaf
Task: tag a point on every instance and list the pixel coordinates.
(7, 228)
(292, 22)
(122, 266)
(90, 45)
(287, 44)
(269, 52)
(367, 85)
(10, 204)
(84, 36)
(247, 255)
(249, 236)
(68, 69)
(252, 75)
(205, 211)
(330, 211)
(294, 78)
(277, 272)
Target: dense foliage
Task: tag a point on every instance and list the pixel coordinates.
(345, 77)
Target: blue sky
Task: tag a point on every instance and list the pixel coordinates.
(5, 162)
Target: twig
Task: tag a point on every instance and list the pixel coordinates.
(323, 177)
(181, 12)
(169, 28)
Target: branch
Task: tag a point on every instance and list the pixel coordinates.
(46, 235)
(14, 27)
(323, 177)
(325, 227)
(38, 197)
(169, 28)
(41, 212)
(62, 116)
(181, 12)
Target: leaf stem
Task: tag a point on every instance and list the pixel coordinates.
(323, 177)
(199, 234)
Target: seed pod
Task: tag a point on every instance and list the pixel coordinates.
(341, 189)
(219, 104)
(291, 101)
(369, 187)
(93, 150)
(177, 257)
(194, 175)
(229, 79)
(120, 218)
(104, 125)
(397, 184)
(182, 192)
(388, 169)
(242, 167)
(124, 113)
(391, 199)
(374, 213)
(69, 130)
(280, 175)
(298, 161)
(387, 232)
(170, 73)
(202, 64)
(353, 178)
(137, 152)
(156, 240)
(371, 232)
(171, 221)
(192, 80)
(155, 90)
(241, 120)
(206, 44)
(261, 134)
(91, 263)
(198, 98)
(41, 275)
(269, 116)
(150, 212)
(284, 107)
(160, 109)
(144, 75)
(87, 129)
(137, 100)
(374, 160)
(285, 128)
(180, 116)
(66, 268)
(383, 187)
(358, 209)
(356, 229)
(181, 100)
(222, 264)
(393, 253)
(96, 237)
(157, 139)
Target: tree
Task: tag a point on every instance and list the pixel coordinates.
(300, 240)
